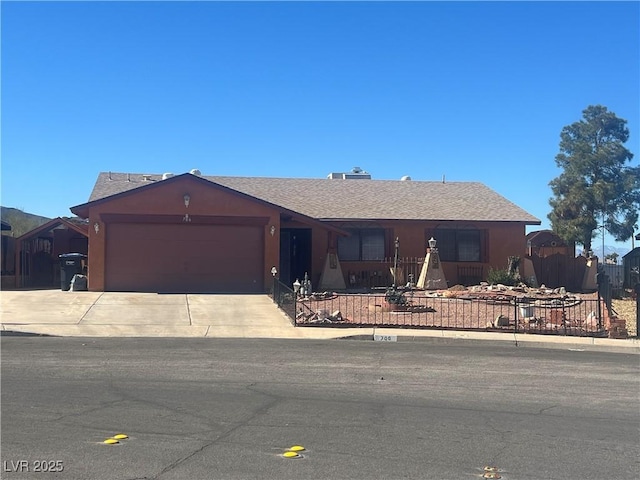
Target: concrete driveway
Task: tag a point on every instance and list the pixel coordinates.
(57, 312)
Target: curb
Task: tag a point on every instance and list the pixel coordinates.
(586, 344)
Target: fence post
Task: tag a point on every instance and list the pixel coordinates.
(600, 282)
(515, 313)
(273, 291)
(295, 309)
(637, 288)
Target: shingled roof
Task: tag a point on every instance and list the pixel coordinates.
(339, 199)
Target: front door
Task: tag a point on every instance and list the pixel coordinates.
(295, 254)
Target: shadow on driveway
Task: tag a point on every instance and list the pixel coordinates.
(11, 333)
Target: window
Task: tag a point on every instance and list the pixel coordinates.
(459, 245)
(363, 244)
(468, 242)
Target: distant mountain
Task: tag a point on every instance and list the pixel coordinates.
(21, 222)
(608, 250)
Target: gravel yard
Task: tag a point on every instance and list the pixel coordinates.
(461, 310)
(475, 308)
(626, 309)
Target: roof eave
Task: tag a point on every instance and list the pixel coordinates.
(82, 210)
(357, 219)
(52, 224)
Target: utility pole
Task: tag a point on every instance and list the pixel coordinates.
(603, 230)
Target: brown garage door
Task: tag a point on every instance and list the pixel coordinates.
(184, 258)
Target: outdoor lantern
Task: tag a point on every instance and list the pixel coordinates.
(274, 271)
(432, 243)
(187, 199)
(296, 286)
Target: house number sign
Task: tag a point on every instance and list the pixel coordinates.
(385, 338)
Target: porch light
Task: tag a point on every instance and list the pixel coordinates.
(187, 199)
(296, 286)
(96, 227)
(432, 243)
(274, 271)
(272, 230)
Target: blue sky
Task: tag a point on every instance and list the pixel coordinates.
(474, 91)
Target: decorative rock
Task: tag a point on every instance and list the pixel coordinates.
(502, 321)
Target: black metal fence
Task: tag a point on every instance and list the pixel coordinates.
(285, 298)
(562, 315)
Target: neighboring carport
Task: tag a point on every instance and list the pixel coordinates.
(37, 251)
(7, 257)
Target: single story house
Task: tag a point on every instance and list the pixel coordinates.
(195, 233)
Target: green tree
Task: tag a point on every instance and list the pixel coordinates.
(596, 184)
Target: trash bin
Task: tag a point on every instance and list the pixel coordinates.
(70, 264)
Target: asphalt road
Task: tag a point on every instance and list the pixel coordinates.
(228, 409)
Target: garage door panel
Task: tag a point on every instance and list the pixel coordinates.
(184, 258)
